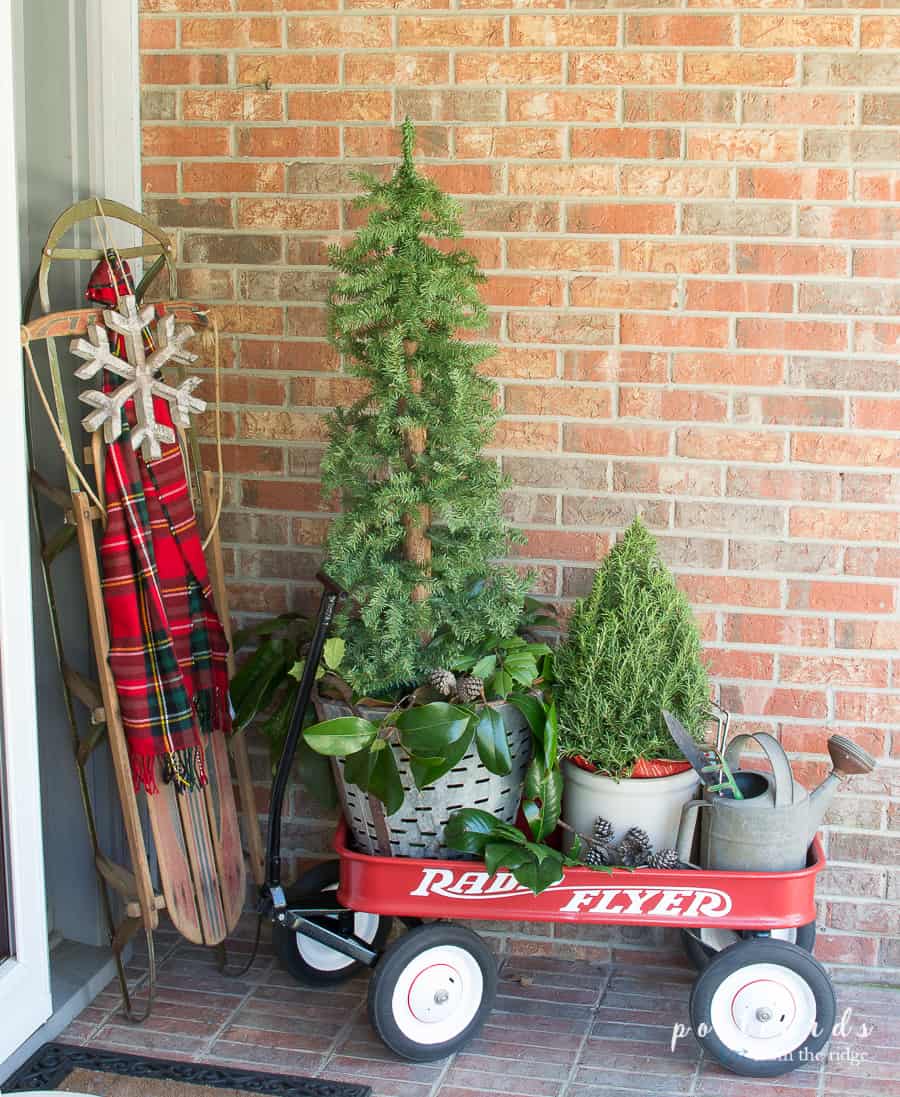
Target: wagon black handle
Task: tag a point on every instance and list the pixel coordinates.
(332, 593)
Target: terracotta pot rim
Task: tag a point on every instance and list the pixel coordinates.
(588, 767)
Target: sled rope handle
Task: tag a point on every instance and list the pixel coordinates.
(69, 459)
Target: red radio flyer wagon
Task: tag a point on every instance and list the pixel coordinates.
(761, 1004)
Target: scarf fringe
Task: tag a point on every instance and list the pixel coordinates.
(185, 769)
(212, 708)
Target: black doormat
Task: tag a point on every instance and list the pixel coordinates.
(52, 1065)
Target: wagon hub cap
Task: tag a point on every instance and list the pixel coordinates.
(435, 993)
(438, 994)
(763, 1011)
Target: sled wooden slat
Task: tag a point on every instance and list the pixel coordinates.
(117, 745)
(172, 856)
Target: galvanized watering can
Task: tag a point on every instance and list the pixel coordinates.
(771, 828)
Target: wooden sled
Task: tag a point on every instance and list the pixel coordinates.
(195, 834)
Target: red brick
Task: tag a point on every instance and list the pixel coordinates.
(231, 106)
(774, 701)
(788, 259)
(880, 32)
(229, 178)
(749, 144)
(851, 525)
(562, 545)
(735, 663)
(561, 106)
(503, 67)
(615, 365)
(526, 436)
(742, 68)
(772, 630)
(833, 671)
(791, 334)
(287, 68)
(850, 222)
(615, 68)
(189, 68)
(663, 257)
(159, 178)
(282, 495)
(727, 369)
(339, 106)
(628, 142)
(664, 331)
(868, 635)
(559, 253)
(798, 108)
(730, 591)
(837, 597)
(519, 362)
(704, 296)
(655, 403)
(881, 562)
(157, 34)
(812, 410)
(876, 262)
(877, 338)
(645, 180)
(223, 33)
(339, 32)
(576, 29)
(619, 293)
(871, 413)
(622, 441)
(868, 708)
(679, 106)
(679, 30)
(797, 30)
(550, 327)
(846, 449)
(287, 141)
(730, 445)
(499, 141)
(182, 141)
(582, 402)
(818, 183)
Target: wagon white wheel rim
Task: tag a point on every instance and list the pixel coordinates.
(438, 994)
(763, 1011)
(322, 957)
(717, 937)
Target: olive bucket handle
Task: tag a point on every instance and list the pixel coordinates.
(773, 750)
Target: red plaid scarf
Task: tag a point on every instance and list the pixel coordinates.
(167, 647)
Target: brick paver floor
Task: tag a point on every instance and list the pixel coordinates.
(558, 1029)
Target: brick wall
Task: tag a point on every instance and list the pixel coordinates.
(688, 217)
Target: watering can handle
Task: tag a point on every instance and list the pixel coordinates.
(687, 827)
(781, 767)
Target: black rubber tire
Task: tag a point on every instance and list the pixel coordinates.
(323, 877)
(742, 955)
(699, 953)
(392, 966)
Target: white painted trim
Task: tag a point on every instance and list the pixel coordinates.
(113, 105)
(24, 980)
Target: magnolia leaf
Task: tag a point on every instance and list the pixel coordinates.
(542, 797)
(470, 828)
(493, 745)
(428, 731)
(259, 689)
(344, 735)
(333, 652)
(539, 875)
(374, 770)
(532, 708)
(551, 737)
(426, 771)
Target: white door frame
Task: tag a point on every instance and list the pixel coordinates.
(25, 979)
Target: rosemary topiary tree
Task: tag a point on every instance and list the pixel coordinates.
(632, 650)
(421, 517)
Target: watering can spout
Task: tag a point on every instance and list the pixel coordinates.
(847, 759)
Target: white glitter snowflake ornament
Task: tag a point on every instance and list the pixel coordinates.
(139, 373)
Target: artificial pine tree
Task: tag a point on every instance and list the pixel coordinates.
(421, 517)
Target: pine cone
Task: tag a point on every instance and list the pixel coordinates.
(625, 855)
(603, 830)
(638, 838)
(444, 681)
(469, 688)
(663, 858)
(598, 855)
